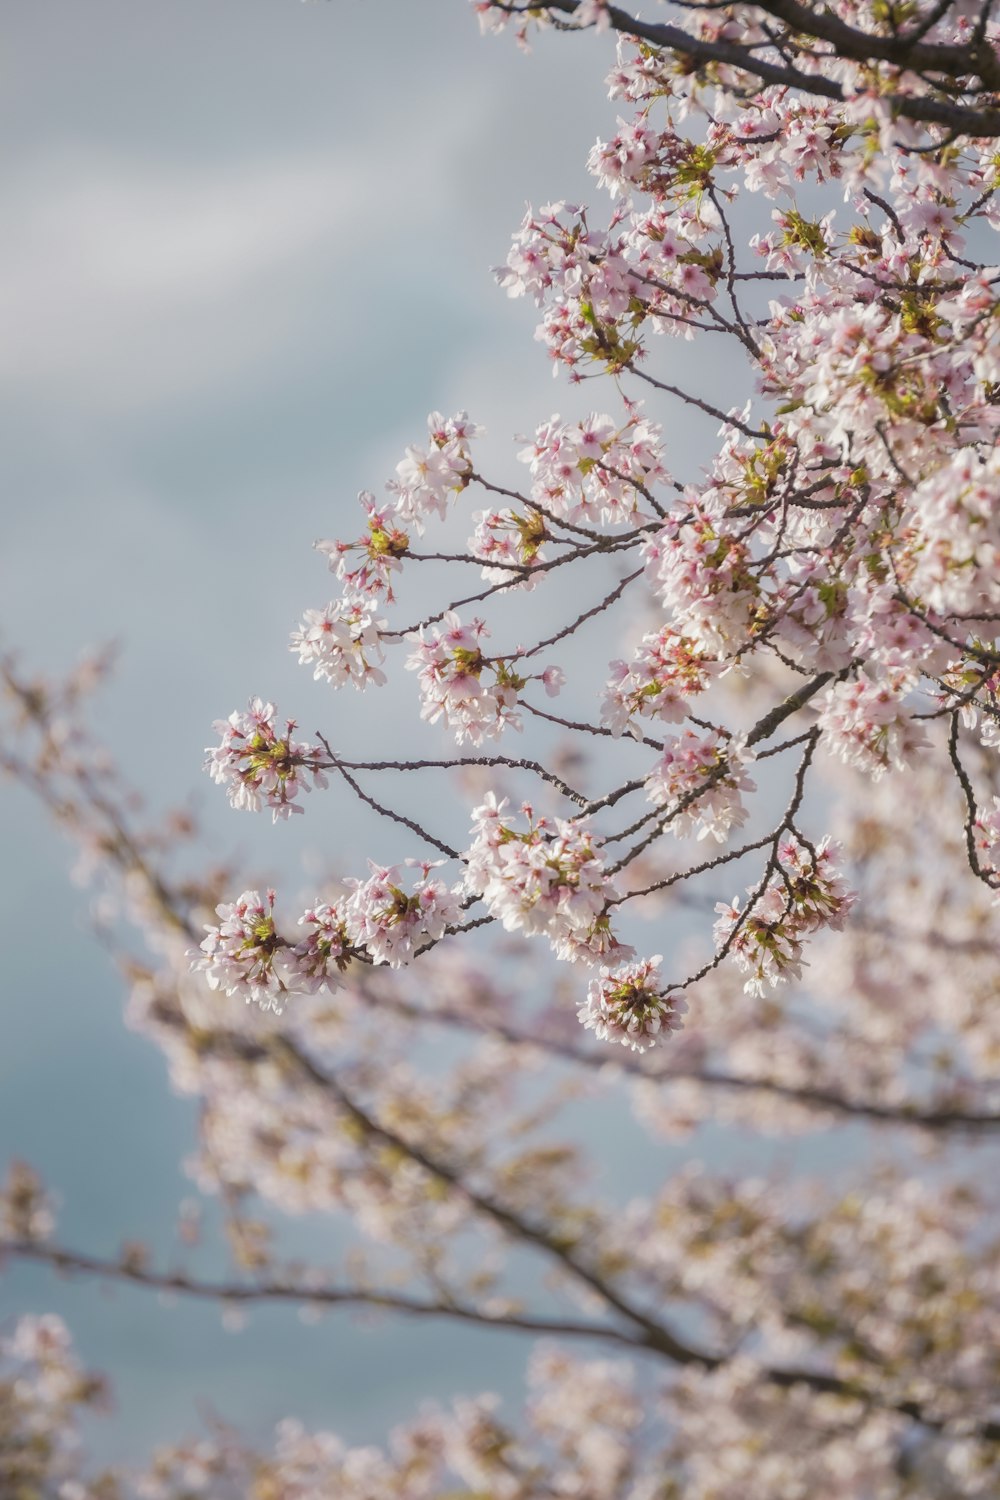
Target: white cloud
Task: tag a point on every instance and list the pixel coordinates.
(121, 284)
(125, 281)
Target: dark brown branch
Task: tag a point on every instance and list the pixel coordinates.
(509, 762)
(967, 119)
(990, 878)
(588, 614)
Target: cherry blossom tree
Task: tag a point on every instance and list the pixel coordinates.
(741, 833)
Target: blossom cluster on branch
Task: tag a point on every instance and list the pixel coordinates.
(774, 674)
(837, 556)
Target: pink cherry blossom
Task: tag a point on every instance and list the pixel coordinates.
(379, 551)
(342, 643)
(625, 1005)
(244, 954)
(701, 778)
(805, 894)
(257, 766)
(429, 476)
(390, 924)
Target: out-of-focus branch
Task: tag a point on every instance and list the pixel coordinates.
(180, 1283)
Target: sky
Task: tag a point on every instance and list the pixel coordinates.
(247, 249)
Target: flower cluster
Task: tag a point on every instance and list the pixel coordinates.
(379, 550)
(986, 835)
(666, 671)
(451, 664)
(956, 566)
(257, 766)
(428, 476)
(625, 160)
(325, 949)
(866, 724)
(702, 571)
(700, 778)
(805, 893)
(244, 954)
(601, 289)
(510, 543)
(342, 643)
(549, 880)
(595, 471)
(625, 1004)
(390, 925)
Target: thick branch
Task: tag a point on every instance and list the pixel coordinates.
(972, 120)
